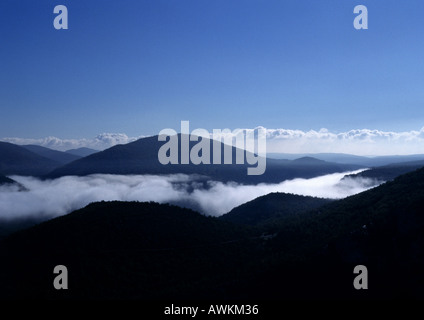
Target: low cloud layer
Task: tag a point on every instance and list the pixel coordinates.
(358, 141)
(51, 198)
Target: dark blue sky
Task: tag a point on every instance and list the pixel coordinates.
(141, 66)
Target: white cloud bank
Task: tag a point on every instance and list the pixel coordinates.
(51, 198)
(100, 142)
(359, 141)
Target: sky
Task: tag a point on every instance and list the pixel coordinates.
(137, 67)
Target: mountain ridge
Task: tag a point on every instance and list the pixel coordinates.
(388, 172)
(173, 252)
(16, 160)
(270, 207)
(141, 157)
(82, 152)
(6, 180)
(345, 158)
(57, 156)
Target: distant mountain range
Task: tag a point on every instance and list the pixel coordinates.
(82, 152)
(152, 251)
(388, 172)
(57, 156)
(141, 157)
(16, 160)
(351, 159)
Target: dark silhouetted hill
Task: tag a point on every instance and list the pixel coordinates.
(382, 228)
(6, 180)
(309, 161)
(376, 161)
(141, 157)
(151, 251)
(57, 156)
(270, 207)
(389, 172)
(82, 152)
(16, 160)
(118, 249)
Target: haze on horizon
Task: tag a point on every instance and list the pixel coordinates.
(361, 142)
(138, 67)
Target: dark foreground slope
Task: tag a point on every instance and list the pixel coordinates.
(271, 207)
(124, 250)
(382, 228)
(141, 157)
(147, 250)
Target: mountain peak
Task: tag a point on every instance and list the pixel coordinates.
(141, 157)
(308, 160)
